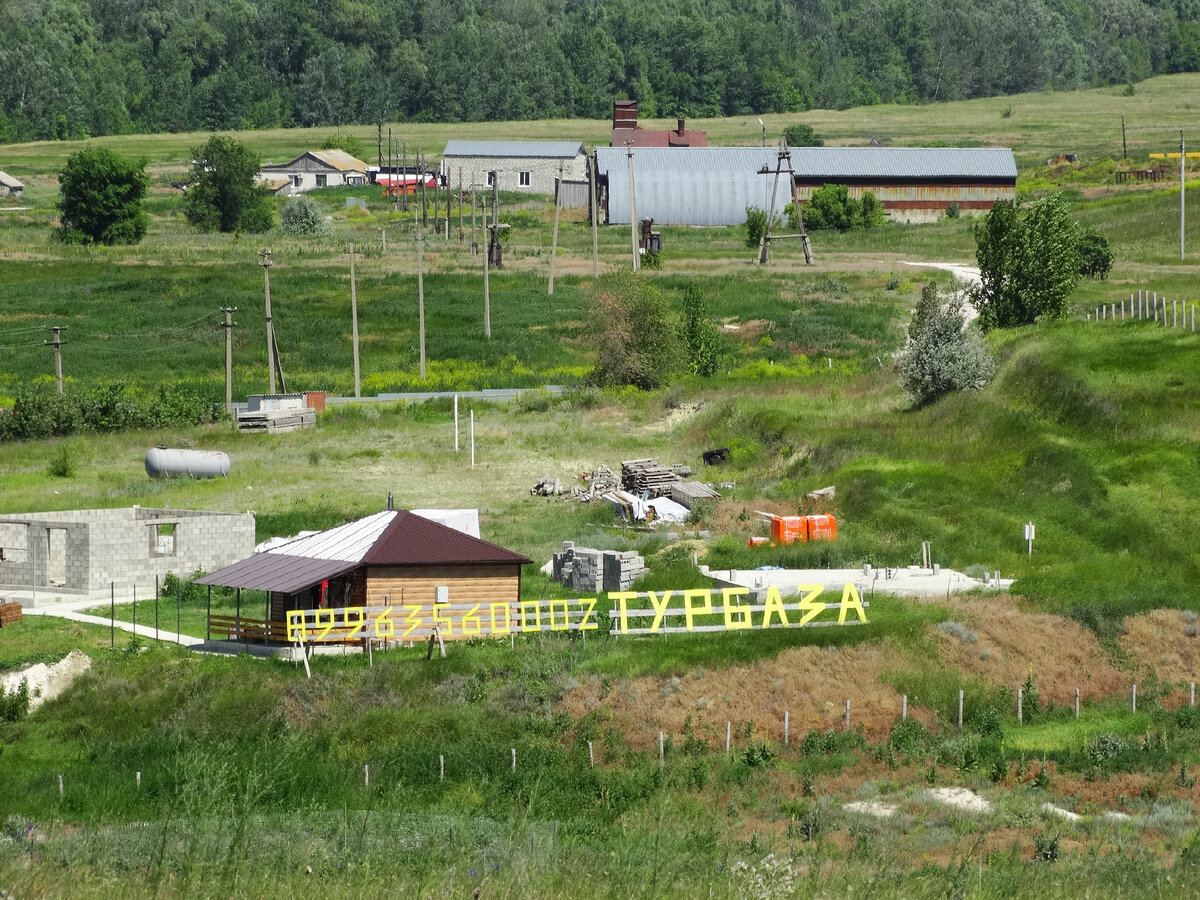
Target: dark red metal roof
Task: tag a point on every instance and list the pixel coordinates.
(277, 572)
(411, 540)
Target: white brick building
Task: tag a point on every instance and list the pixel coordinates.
(525, 166)
(314, 169)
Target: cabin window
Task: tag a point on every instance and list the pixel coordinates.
(491, 176)
(162, 538)
(525, 178)
(321, 180)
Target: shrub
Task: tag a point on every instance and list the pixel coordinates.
(1095, 254)
(635, 334)
(832, 208)
(698, 334)
(302, 215)
(952, 211)
(347, 144)
(801, 134)
(943, 355)
(42, 412)
(14, 704)
(756, 225)
(62, 463)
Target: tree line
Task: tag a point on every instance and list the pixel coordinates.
(78, 68)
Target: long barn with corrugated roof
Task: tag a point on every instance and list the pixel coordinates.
(393, 557)
(714, 185)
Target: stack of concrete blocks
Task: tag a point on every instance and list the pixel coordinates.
(83, 552)
(583, 569)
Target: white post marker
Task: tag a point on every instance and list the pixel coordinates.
(1077, 703)
(786, 724)
(514, 759)
(728, 734)
(441, 767)
(903, 707)
(472, 439)
(456, 423)
(139, 780)
(847, 714)
(591, 757)
(1020, 718)
(1029, 536)
(661, 750)
(1133, 698)
(960, 707)
(60, 787)
(367, 775)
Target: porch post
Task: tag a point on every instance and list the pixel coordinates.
(208, 617)
(237, 619)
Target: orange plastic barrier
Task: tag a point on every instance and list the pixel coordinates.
(756, 541)
(822, 528)
(789, 529)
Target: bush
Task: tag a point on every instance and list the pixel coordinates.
(952, 211)
(62, 463)
(635, 334)
(832, 208)
(347, 144)
(756, 225)
(942, 355)
(698, 333)
(1095, 255)
(42, 412)
(14, 704)
(302, 215)
(800, 134)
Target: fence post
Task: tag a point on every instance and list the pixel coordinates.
(366, 775)
(1020, 718)
(786, 723)
(728, 734)
(661, 750)
(441, 767)
(903, 707)
(847, 714)
(960, 707)
(1133, 698)
(591, 758)
(514, 759)
(1192, 694)
(60, 787)
(139, 781)
(1077, 703)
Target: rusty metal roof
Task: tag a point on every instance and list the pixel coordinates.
(276, 572)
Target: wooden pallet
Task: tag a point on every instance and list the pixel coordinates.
(641, 475)
(10, 614)
(276, 421)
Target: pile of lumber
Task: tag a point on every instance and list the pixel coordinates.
(10, 613)
(275, 421)
(640, 476)
(686, 493)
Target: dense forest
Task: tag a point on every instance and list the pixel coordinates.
(76, 68)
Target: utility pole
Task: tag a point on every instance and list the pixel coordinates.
(1182, 160)
(474, 203)
(460, 214)
(595, 217)
(554, 239)
(421, 296)
(379, 144)
(1124, 146)
(633, 223)
(57, 343)
(487, 297)
(495, 197)
(424, 202)
(404, 171)
(354, 325)
(228, 326)
(264, 260)
(392, 172)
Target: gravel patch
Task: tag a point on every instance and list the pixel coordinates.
(959, 798)
(1061, 813)
(871, 808)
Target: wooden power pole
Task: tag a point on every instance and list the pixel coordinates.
(633, 222)
(57, 343)
(421, 297)
(228, 326)
(595, 217)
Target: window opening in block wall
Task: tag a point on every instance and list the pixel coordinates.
(162, 539)
(525, 178)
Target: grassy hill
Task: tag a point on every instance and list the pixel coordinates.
(253, 774)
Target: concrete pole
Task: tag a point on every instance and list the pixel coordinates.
(554, 237)
(595, 218)
(57, 343)
(264, 260)
(1182, 160)
(354, 326)
(421, 297)
(487, 294)
(633, 222)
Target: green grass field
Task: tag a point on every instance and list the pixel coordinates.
(253, 775)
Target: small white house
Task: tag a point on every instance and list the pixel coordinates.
(9, 186)
(314, 169)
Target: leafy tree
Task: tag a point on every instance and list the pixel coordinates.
(801, 134)
(223, 194)
(636, 336)
(701, 341)
(347, 143)
(302, 215)
(756, 225)
(831, 207)
(1095, 254)
(1028, 262)
(943, 353)
(100, 198)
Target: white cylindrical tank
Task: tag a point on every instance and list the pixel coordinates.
(161, 461)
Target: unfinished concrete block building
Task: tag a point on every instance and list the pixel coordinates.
(52, 556)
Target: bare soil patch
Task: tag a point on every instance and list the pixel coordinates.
(1061, 654)
(1159, 641)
